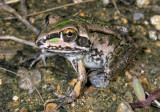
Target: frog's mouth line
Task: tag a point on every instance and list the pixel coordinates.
(67, 49)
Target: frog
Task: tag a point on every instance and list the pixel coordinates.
(103, 49)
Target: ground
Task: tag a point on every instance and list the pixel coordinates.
(58, 75)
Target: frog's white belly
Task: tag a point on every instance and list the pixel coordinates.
(90, 62)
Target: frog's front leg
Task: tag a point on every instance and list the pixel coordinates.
(42, 56)
(74, 92)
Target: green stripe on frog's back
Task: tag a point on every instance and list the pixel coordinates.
(77, 19)
(93, 21)
(50, 27)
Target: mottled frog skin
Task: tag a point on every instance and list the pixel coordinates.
(102, 48)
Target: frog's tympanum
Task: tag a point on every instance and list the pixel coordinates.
(103, 49)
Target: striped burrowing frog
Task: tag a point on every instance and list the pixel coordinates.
(102, 48)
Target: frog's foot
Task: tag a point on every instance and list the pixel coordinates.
(70, 97)
(98, 79)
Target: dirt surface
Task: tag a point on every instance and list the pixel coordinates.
(58, 75)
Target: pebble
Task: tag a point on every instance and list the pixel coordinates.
(155, 20)
(24, 109)
(144, 80)
(124, 107)
(99, 80)
(29, 79)
(152, 35)
(148, 50)
(128, 75)
(128, 96)
(50, 107)
(0, 81)
(142, 3)
(125, 21)
(105, 2)
(15, 98)
(137, 16)
(158, 43)
(158, 36)
(77, 1)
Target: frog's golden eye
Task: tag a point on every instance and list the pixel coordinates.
(69, 35)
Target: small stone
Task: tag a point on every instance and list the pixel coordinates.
(144, 80)
(125, 21)
(128, 75)
(24, 109)
(142, 3)
(15, 98)
(158, 43)
(124, 107)
(77, 1)
(158, 36)
(82, 14)
(128, 96)
(32, 20)
(114, 97)
(148, 50)
(0, 81)
(155, 20)
(146, 22)
(105, 2)
(152, 35)
(135, 73)
(99, 80)
(50, 107)
(142, 71)
(137, 16)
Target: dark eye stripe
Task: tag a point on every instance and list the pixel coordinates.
(52, 35)
(48, 37)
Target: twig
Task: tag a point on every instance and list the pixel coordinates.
(115, 5)
(8, 71)
(24, 21)
(8, 37)
(51, 9)
(24, 8)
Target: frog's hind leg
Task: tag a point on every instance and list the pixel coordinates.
(74, 92)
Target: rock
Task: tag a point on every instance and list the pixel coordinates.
(158, 43)
(15, 98)
(0, 81)
(137, 16)
(23, 109)
(124, 107)
(50, 107)
(158, 36)
(155, 21)
(141, 3)
(29, 79)
(152, 35)
(98, 80)
(105, 2)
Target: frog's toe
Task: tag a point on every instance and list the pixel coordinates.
(40, 57)
(98, 80)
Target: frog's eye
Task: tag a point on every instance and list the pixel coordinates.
(69, 35)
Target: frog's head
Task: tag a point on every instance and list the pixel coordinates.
(64, 37)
